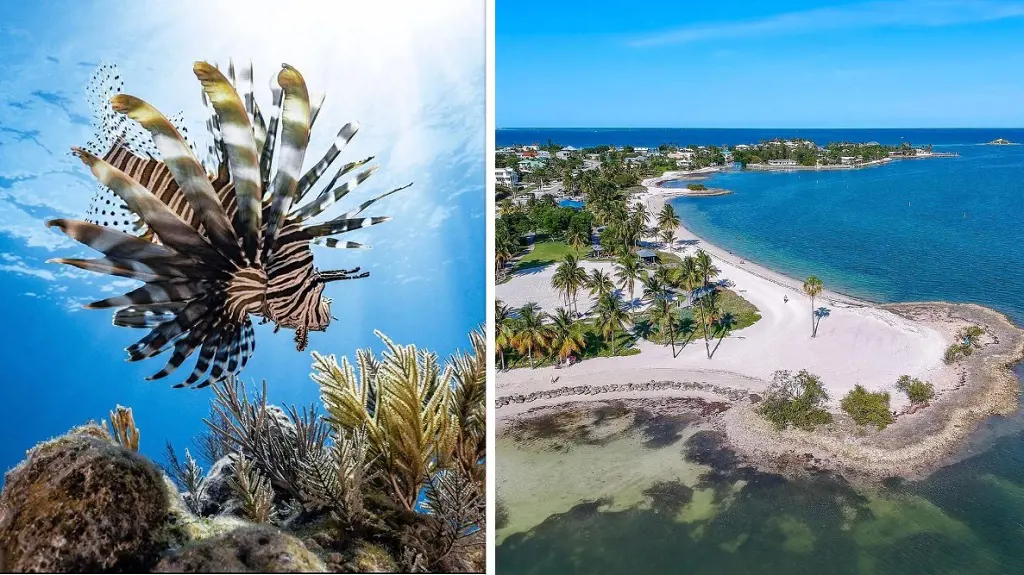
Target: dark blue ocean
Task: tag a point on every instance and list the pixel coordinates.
(913, 230)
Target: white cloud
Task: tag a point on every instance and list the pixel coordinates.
(23, 269)
(899, 13)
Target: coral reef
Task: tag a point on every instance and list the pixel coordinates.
(81, 503)
(250, 549)
(390, 478)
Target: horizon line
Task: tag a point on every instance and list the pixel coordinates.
(759, 128)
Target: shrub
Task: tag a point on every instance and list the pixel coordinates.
(917, 391)
(696, 187)
(868, 408)
(967, 340)
(795, 399)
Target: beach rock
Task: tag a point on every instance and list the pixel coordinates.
(80, 503)
(250, 549)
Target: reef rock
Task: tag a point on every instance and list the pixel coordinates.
(80, 503)
(216, 492)
(253, 549)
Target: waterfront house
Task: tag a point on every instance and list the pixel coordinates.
(506, 177)
(594, 157)
(642, 151)
(847, 160)
(565, 152)
(633, 160)
(543, 155)
(786, 162)
(528, 166)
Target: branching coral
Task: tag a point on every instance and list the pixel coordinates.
(469, 372)
(253, 492)
(188, 476)
(125, 433)
(405, 403)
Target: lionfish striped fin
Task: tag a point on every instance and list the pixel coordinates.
(358, 210)
(328, 197)
(167, 225)
(215, 156)
(186, 169)
(156, 292)
(165, 334)
(113, 243)
(337, 226)
(242, 157)
(347, 132)
(267, 153)
(338, 244)
(259, 131)
(316, 104)
(220, 361)
(124, 268)
(156, 177)
(294, 139)
(183, 349)
(205, 358)
(148, 316)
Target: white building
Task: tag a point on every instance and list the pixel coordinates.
(848, 160)
(642, 151)
(565, 152)
(506, 177)
(781, 162)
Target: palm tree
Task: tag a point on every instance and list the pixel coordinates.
(813, 287)
(577, 238)
(663, 312)
(628, 270)
(708, 310)
(705, 266)
(569, 278)
(667, 218)
(567, 336)
(504, 329)
(668, 236)
(599, 283)
(688, 276)
(611, 317)
(531, 333)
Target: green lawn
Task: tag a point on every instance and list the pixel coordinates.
(543, 254)
(744, 314)
(669, 258)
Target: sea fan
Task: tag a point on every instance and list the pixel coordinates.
(214, 249)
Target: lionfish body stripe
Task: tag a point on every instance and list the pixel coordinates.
(214, 244)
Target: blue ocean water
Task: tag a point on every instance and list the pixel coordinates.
(912, 230)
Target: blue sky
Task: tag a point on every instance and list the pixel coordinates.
(901, 63)
(414, 82)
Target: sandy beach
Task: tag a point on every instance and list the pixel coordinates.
(858, 343)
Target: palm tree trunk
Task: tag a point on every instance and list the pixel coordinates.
(813, 327)
(705, 328)
(531, 355)
(672, 339)
(502, 353)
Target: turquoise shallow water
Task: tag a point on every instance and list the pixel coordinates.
(937, 229)
(912, 230)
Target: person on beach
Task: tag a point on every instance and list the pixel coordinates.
(785, 298)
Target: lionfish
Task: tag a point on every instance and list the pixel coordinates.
(218, 243)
